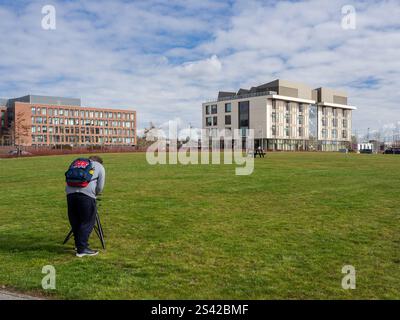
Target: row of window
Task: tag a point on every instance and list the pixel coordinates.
(275, 116)
(80, 139)
(287, 107)
(334, 134)
(213, 121)
(82, 122)
(81, 113)
(213, 109)
(335, 122)
(301, 132)
(286, 130)
(300, 120)
(336, 112)
(86, 130)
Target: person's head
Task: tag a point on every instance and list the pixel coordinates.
(96, 158)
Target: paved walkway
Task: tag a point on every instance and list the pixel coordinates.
(5, 295)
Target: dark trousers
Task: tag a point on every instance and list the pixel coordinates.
(82, 217)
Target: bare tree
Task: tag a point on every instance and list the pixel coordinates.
(19, 131)
(148, 137)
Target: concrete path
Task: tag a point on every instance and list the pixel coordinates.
(6, 295)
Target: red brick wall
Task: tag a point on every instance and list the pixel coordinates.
(24, 111)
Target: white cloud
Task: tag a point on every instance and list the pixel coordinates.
(165, 58)
(208, 67)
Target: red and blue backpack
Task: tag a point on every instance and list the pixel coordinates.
(80, 173)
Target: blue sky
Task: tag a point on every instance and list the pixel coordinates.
(164, 58)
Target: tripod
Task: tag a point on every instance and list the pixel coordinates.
(97, 228)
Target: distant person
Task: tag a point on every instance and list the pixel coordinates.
(85, 181)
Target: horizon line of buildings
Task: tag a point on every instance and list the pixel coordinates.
(284, 116)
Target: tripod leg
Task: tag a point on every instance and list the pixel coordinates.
(100, 231)
(69, 235)
(96, 229)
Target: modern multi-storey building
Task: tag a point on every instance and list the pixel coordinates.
(53, 121)
(284, 116)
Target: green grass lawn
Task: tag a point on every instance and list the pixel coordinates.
(201, 232)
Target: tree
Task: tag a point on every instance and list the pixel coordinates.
(147, 138)
(19, 131)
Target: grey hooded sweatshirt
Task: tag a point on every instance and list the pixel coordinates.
(96, 186)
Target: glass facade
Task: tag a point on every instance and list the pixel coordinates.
(244, 115)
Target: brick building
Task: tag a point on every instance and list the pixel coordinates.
(54, 121)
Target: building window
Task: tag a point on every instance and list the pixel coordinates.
(273, 117)
(287, 131)
(324, 122)
(244, 114)
(287, 107)
(301, 120)
(228, 120)
(228, 107)
(301, 133)
(214, 109)
(301, 108)
(215, 121)
(287, 118)
(209, 121)
(344, 134)
(324, 133)
(274, 130)
(208, 109)
(344, 123)
(334, 122)
(33, 111)
(325, 111)
(334, 134)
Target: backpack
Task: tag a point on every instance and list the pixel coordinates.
(80, 173)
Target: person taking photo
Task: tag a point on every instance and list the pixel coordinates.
(85, 180)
